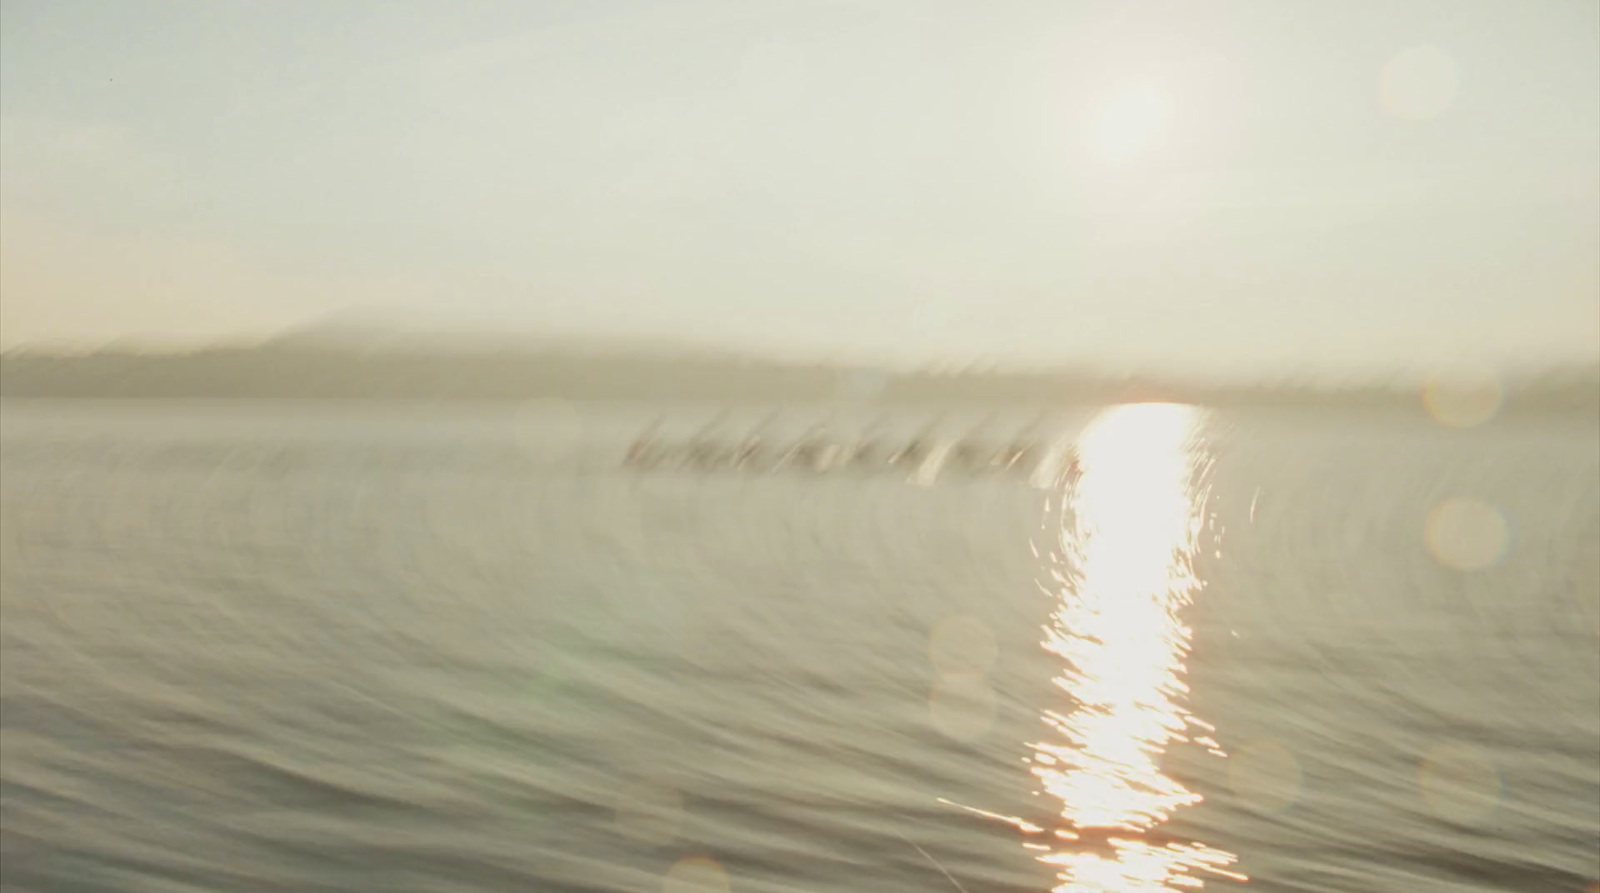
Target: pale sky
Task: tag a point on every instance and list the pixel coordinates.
(1214, 187)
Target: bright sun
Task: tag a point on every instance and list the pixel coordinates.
(1127, 124)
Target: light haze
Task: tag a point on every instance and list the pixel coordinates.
(1224, 188)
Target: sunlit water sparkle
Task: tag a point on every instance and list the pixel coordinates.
(1135, 524)
(264, 647)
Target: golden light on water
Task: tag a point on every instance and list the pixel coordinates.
(1459, 783)
(962, 644)
(1116, 628)
(962, 706)
(1463, 399)
(696, 874)
(1466, 534)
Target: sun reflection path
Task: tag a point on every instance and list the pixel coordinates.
(1135, 522)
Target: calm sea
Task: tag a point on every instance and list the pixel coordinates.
(280, 647)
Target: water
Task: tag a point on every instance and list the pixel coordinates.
(283, 647)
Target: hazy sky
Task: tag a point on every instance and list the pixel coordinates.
(1211, 186)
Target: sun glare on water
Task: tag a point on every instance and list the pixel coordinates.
(1135, 521)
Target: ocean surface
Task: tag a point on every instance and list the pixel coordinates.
(302, 647)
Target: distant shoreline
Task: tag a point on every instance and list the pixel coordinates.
(353, 373)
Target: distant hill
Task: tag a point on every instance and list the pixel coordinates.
(323, 366)
(308, 369)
